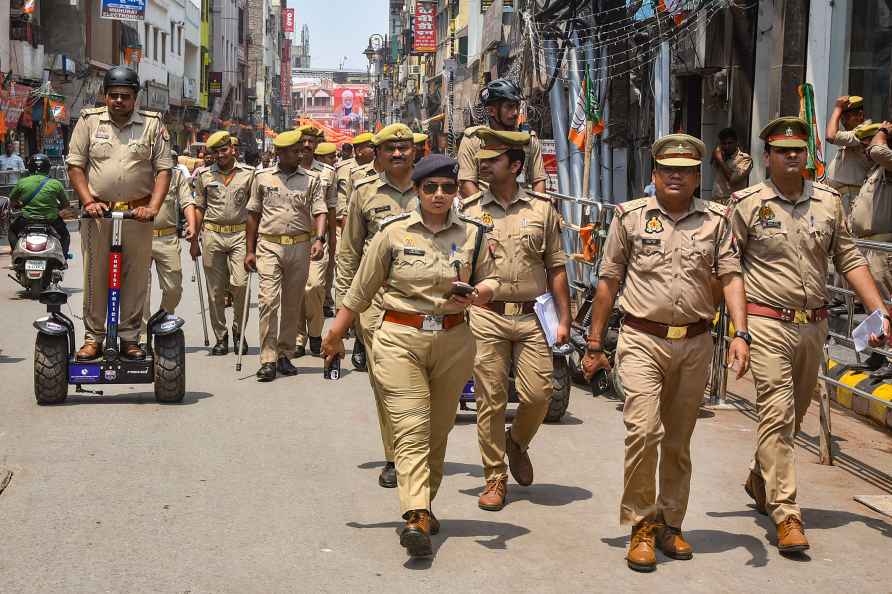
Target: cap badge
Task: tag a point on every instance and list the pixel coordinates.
(788, 131)
(654, 225)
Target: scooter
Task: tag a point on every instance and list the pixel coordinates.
(55, 365)
(36, 258)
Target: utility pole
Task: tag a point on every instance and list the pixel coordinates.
(450, 106)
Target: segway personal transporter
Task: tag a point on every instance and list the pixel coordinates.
(55, 365)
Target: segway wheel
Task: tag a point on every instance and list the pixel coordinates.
(560, 396)
(50, 369)
(170, 367)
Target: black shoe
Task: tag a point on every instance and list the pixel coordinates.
(316, 345)
(300, 351)
(328, 311)
(285, 367)
(358, 358)
(267, 372)
(872, 363)
(222, 346)
(387, 478)
(235, 338)
(884, 372)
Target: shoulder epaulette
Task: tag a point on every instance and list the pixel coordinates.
(469, 132)
(326, 167)
(540, 196)
(394, 218)
(741, 194)
(348, 163)
(149, 114)
(825, 188)
(629, 206)
(246, 166)
(717, 208)
(87, 112)
(471, 199)
(474, 221)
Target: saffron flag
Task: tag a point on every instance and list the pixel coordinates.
(815, 163)
(587, 112)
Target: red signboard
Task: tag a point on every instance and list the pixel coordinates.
(425, 28)
(288, 20)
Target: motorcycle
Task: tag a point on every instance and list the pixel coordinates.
(37, 257)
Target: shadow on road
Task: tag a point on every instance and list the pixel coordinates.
(469, 417)
(706, 542)
(131, 398)
(8, 359)
(540, 494)
(815, 519)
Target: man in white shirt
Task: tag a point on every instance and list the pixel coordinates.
(11, 161)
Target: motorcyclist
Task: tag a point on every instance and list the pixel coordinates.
(40, 199)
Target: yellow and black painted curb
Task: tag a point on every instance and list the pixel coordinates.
(880, 389)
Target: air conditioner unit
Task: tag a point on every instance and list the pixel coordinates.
(414, 70)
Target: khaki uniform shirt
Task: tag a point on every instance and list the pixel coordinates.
(849, 166)
(871, 213)
(287, 203)
(179, 196)
(668, 265)
(224, 198)
(342, 177)
(416, 267)
(525, 242)
(120, 163)
(740, 165)
(533, 169)
(373, 200)
(326, 175)
(784, 247)
(355, 174)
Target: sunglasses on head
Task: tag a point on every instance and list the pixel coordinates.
(430, 187)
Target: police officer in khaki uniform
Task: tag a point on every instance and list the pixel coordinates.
(221, 197)
(526, 244)
(786, 229)
(373, 200)
(363, 154)
(848, 169)
(118, 159)
(286, 229)
(502, 100)
(667, 251)
(327, 153)
(411, 267)
(166, 242)
(420, 141)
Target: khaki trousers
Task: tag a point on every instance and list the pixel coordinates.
(329, 274)
(880, 264)
(784, 358)
(223, 259)
(501, 341)
(282, 270)
(664, 382)
(369, 322)
(420, 386)
(311, 319)
(169, 267)
(137, 256)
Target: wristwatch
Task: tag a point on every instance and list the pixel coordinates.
(746, 336)
(884, 131)
(320, 238)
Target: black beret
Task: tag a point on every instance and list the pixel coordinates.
(435, 165)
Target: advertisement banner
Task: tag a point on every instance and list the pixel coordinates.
(425, 28)
(123, 10)
(349, 103)
(549, 159)
(285, 83)
(288, 20)
(215, 84)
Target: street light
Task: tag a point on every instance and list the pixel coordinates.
(376, 41)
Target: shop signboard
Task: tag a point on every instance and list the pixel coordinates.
(123, 10)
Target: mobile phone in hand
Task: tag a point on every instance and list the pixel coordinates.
(461, 288)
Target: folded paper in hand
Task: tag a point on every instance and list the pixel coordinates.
(872, 324)
(548, 318)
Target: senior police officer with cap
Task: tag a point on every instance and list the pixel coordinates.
(373, 200)
(166, 242)
(786, 230)
(363, 154)
(848, 169)
(411, 267)
(118, 159)
(327, 153)
(526, 244)
(221, 197)
(667, 251)
(501, 98)
(311, 317)
(286, 229)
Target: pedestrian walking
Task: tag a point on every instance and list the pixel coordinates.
(730, 166)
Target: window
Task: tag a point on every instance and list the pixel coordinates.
(145, 42)
(241, 25)
(155, 43)
(870, 57)
(171, 36)
(179, 41)
(164, 48)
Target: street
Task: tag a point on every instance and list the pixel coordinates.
(250, 487)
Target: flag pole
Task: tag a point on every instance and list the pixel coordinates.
(587, 160)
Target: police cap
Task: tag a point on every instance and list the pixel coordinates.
(786, 132)
(498, 142)
(678, 150)
(435, 166)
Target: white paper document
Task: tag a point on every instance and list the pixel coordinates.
(872, 324)
(548, 317)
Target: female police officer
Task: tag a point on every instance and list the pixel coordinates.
(424, 346)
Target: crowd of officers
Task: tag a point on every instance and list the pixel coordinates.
(435, 266)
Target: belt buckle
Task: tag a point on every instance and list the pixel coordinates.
(513, 309)
(800, 317)
(676, 332)
(120, 206)
(286, 240)
(432, 323)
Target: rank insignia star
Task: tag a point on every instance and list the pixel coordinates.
(654, 225)
(409, 242)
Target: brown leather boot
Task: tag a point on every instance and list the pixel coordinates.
(641, 556)
(435, 524)
(131, 350)
(493, 496)
(791, 536)
(415, 536)
(755, 488)
(89, 351)
(518, 461)
(673, 544)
